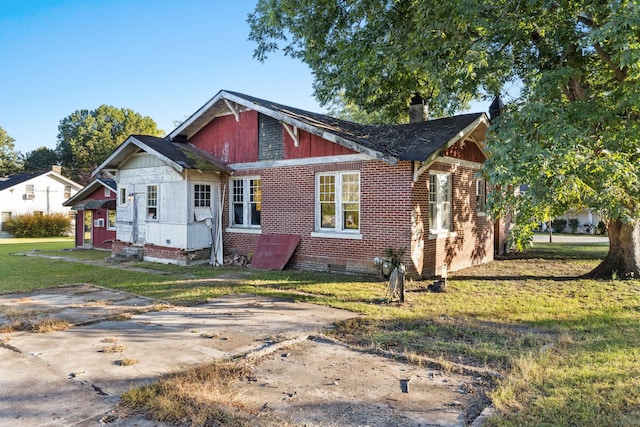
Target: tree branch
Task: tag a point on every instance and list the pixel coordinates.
(620, 73)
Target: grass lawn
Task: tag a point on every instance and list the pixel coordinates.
(567, 348)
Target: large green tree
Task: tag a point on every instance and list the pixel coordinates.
(10, 159)
(87, 137)
(40, 159)
(572, 133)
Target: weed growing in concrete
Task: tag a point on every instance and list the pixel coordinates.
(199, 396)
(115, 348)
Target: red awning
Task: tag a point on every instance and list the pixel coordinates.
(90, 205)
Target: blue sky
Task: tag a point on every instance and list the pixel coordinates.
(160, 58)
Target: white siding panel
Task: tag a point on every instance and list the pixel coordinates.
(163, 234)
(142, 161)
(123, 230)
(175, 225)
(47, 197)
(173, 202)
(199, 235)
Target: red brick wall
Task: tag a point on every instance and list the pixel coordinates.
(387, 199)
(288, 207)
(471, 240)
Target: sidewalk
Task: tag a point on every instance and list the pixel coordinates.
(570, 238)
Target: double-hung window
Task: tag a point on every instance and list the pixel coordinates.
(439, 202)
(202, 195)
(481, 196)
(246, 202)
(152, 202)
(111, 220)
(338, 201)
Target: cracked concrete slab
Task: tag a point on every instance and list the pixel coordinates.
(75, 376)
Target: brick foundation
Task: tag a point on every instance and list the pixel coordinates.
(168, 255)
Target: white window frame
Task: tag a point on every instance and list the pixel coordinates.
(443, 207)
(201, 189)
(246, 201)
(107, 192)
(111, 226)
(152, 209)
(339, 203)
(481, 196)
(67, 191)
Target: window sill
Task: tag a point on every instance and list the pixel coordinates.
(482, 213)
(442, 235)
(243, 230)
(336, 235)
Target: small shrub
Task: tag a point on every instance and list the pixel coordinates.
(521, 236)
(50, 225)
(573, 225)
(558, 225)
(601, 228)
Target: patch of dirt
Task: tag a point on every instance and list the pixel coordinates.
(322, 382)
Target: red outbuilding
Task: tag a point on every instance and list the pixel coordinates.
(95, 205)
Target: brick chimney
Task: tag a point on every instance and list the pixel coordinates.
(495, 109)
(57, 169)
(418, 111)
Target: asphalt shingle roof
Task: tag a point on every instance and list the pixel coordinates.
(18, 179)
(185, 154)
(413, 141)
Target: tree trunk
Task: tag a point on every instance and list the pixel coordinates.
(623, 259)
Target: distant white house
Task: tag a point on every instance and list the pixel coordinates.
(37, 193)
(588, 220)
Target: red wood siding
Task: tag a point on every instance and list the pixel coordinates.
(311, 146)
(466, 151)
(101, 237)
(229, 140)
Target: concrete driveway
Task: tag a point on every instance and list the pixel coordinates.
(74, 377)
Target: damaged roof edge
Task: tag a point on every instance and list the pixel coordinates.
(179, 134)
